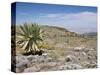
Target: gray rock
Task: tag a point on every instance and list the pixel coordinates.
(32, 69)
(78, 48)
(70, 66)
(50, 66)
(70, 58)
(90, 64)
(21, 61)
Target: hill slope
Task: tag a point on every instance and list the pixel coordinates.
(63, 50)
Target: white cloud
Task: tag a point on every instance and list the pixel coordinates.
(49, 16)
(79, 22)
(81, 15)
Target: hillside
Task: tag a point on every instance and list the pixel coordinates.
(63, 50)
(57, 35)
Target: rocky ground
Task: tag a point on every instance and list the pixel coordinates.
(64, 50)
(74, 58)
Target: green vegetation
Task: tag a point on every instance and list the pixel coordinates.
(29, 37)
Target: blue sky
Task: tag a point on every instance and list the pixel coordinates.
(79, 19)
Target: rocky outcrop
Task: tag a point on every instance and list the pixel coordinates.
(80, 59)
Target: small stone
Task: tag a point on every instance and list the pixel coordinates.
(68, 59)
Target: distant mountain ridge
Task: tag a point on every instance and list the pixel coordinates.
(90, 34)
